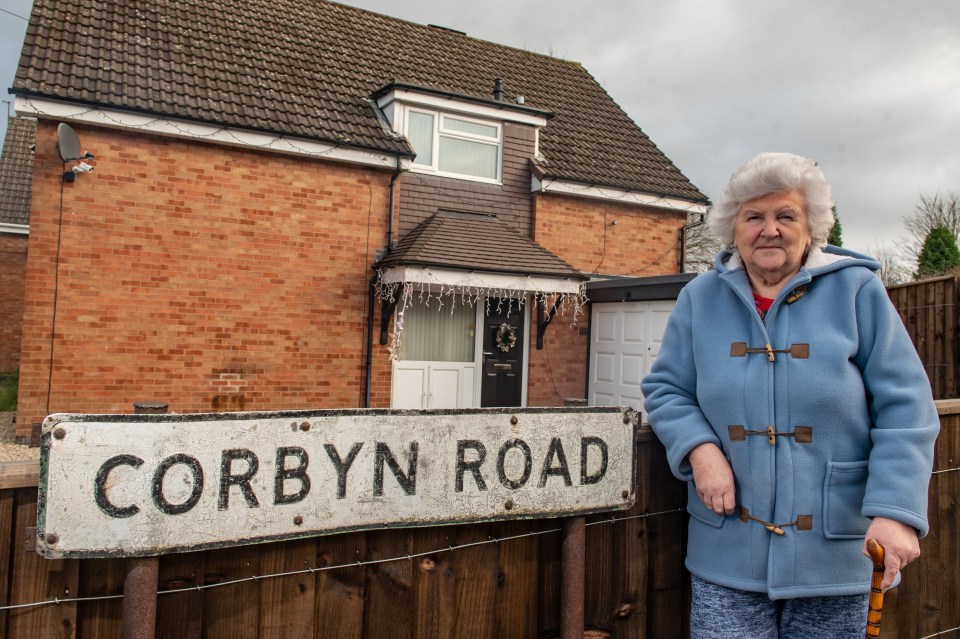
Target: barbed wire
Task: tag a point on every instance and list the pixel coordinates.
(56, 601)
(941, 633)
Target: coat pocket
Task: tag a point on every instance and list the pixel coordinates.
(843, 492)
(699, 511)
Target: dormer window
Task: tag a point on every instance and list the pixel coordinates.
(455, 145)
(455, 136)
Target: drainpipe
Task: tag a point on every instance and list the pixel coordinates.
(368, 364)
(393, 199)
(371, 300)
(683, 241)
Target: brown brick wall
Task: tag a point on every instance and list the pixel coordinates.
(422, 195)
(13, 264)
(209, 277)
(644, 241)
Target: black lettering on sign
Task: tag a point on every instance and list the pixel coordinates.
(100, 486)
(228, 479)
(407, 481)
(556, 451)
(298, 473)
(160, 500)
(342, 466)
(527, 463)
(473, 466)
(585, 444)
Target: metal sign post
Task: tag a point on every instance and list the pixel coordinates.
(142, 574)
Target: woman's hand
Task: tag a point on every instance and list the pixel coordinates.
(713, 478)
(900, 546)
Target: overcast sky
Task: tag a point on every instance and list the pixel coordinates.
(869, 89)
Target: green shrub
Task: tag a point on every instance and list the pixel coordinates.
(8, 393)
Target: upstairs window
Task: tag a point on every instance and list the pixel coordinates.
(455, 145)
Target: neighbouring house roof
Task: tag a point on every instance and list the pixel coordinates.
(16, 171)
(475, 242)
(308, 69)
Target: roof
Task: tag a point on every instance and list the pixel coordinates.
(16, 171)
(475, 242)
(308, 69)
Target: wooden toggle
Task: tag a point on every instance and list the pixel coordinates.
(801, 434)
(797, 351)
(803, 522)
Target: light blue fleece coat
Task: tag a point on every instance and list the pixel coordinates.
(861, 391)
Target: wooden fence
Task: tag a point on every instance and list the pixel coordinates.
(929, 310)
(467, 585)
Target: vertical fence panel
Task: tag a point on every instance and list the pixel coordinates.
(231, 611)
(180, 614)
(517, 594)
(340, 594)
(929, 312)
(101, 578)
(8, 545)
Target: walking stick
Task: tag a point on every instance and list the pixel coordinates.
(876, 594)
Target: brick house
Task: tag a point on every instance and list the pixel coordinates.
(321, 207)
(16, 174)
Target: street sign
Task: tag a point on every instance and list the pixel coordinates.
(140, 485)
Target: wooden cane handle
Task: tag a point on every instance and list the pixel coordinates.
(875, 610)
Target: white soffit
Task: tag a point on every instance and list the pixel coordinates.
(480, 281)
(409, 97)
(561, 187)
(167, 126)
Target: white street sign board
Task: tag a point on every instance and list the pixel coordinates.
(138, 485)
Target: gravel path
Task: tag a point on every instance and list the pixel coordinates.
(10, 451)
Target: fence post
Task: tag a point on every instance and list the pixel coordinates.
(142, 574)
(572, 572)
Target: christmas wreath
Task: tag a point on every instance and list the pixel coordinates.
(506, 337)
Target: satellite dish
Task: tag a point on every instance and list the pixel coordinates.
(68, 144)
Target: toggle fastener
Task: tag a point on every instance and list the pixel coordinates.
(802, 522)
(797, 351)
(801, 434)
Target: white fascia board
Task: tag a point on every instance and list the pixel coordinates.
(612, 194)
(16, 229)
(473, 280)
(167, 126)
(408, 97)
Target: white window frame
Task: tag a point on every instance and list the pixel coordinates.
(439, 130)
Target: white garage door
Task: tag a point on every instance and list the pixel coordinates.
(626, 339)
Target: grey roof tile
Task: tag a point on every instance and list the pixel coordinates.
(16, 171)
(307, 68)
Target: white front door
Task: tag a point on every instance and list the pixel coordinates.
(625, 340)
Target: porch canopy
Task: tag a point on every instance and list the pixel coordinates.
(476, 254)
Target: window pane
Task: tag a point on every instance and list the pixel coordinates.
(420, 134)
(471, 127)
(468, 158)
(432, 333)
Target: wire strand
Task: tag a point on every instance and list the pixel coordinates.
(352, 564)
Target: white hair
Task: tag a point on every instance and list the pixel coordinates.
(769, 173)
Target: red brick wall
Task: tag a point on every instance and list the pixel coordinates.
(209, 277)
(421, 194)
(13, 264)
(644, 241)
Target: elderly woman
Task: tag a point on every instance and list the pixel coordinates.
(789, 397)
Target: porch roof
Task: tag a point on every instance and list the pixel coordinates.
(476, 251)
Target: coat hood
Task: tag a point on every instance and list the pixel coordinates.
(819, 260)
